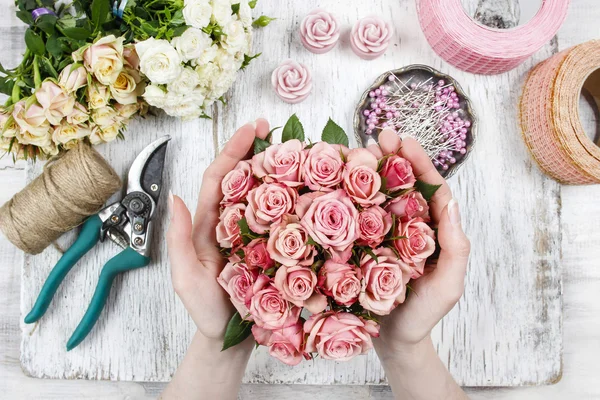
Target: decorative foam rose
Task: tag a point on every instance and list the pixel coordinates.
(127, 87)
(297, 285)
(373, 223)
(417, 244)
(398, 173)
(319, 31)
(361, 180)
(72, 79)
(197, 13)
(35, 128)
(370, 37)
(55, 101)
(408, 206)
(267, 306)
(331, 221)
(384, 281)
(340, 281)
(228, 230)
(159, 60)
(288, 243)
(281, 163)
(191, 44)
(323, 167)
(237, 280)
(267, 204)
(339, 336)
(66, 133)
(292, 81)
(257, 255)
(104, 59)
(237, 183)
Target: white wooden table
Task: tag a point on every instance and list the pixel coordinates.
(579, 231)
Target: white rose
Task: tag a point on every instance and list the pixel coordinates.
(155, 96)
(50, 150)
(207, 73)
(185, 83)
(221, 10)
(224, 60)
(97, 96)
(8, 126)
(105, 116)
(191, 44)
(79, 115)
(197, 13)
(208, 55)
(126, 111)
(125, 90)
(159, 61)
(245, 13)
(235, 37)
(104, 134)
(222, 83)
(66, 132)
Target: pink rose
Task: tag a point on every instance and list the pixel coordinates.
(370, 37)
(34, 127)
(323, 167)
(288, 243)
(319, 31)
(384, 281)
(340, 281)
(228, 230)
(419, 243)
(267, 204)
(408, 206)
(237, 279)
(267, 306)
(284, 344)
(130, 57)
(398, 173)
(361, 180)
(281, 163)
(305, 201)
(104, 59)
(237, 183)
(261, 335)
(339, 336)
(55, 101)
(331, 220)
(373, 223)
(72, 78)
(292, 81)
(297, 285)
(257, 256)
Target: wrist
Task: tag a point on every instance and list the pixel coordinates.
(402, 354)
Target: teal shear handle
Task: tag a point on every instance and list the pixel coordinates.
(88, 237)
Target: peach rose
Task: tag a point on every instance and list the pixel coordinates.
(332, 221)
(284, 344)
(339, 336)
(384, 281)
(417, 244)
(228, 230)
(72, 79)
(288, 243)
(257, 255)
(35, 128)
(79, 115)
(361, 180)
(104, 59)
(398, 173)
(323, 167)
(268, 307)
(408, 206)
(297, 285)
(267, 204)
(373, 223)
(340, 281)
(130, 57)
(281, 163)
(55, 101)
(237, 279)
(237, 183)
(127, 87)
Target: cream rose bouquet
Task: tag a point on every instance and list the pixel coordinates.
(321, 240)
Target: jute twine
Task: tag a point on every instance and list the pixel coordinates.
(550, 114)
(69, 190)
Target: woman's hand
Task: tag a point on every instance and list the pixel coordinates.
(405, 343)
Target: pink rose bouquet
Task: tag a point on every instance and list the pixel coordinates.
(321, 240)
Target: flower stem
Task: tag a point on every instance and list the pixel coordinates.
(36, 73)
(16, 92)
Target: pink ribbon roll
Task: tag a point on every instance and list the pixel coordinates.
(476, 48)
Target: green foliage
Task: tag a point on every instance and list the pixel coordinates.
(252, 3)
(237, 331)
(334, 134)
(426, 189)
(293, 129)
(262, 21)
(248, 59)
(34, 42)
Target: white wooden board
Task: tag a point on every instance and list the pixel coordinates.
(505, 331)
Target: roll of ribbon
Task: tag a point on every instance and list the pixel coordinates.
(549, 113)
(475, 48)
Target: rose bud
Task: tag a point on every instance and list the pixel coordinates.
(361, 180)
(228, 230)
(417, 243)
(340, 281)
(398, 173)
(408, 206)
(373, 223)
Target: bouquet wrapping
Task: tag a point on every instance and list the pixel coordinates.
(321, 240)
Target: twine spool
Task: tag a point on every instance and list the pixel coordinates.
(68, 191)
(479, 49)
(549, 113)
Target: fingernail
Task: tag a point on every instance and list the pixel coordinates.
(170, 206)
(453, 212)
(371, 141)
(253, 123)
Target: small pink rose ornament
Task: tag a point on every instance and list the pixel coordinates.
(319, 31)
(370, 37)
(292, 81)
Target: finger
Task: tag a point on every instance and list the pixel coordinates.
(389, 141)
(376, 150)
(207, 211)
(262, 128)
(182, 255)
(426, 172)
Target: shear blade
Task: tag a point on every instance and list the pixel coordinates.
(145, 174)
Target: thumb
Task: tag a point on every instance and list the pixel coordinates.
(182, 254)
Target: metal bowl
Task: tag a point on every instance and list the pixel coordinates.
(417, 73)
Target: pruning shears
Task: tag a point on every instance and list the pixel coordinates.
(128, 223)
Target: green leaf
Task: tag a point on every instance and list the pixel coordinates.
(252, 3)
(270, 272)
(48, 68)
(46, 23)
(25, 16)
(6, 86)
(77, 33)
(237, 331)
(260, 145)
(334, 134)
(369, 251)
(383, 184)
(248, 59)
(53, 46)
(235, 8)
(100, 11)
(34, 42)
(426, 189)
(179, 30)
(244, 228)
(311, 242)
(293, 129)
(262, 21)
